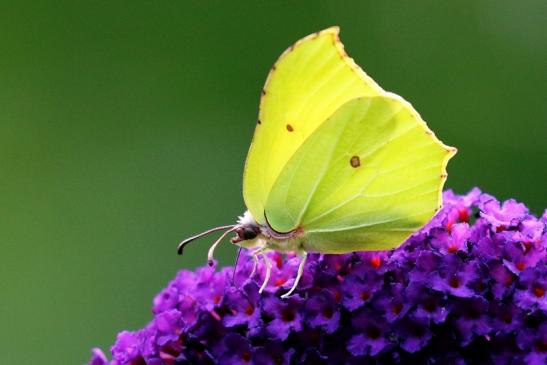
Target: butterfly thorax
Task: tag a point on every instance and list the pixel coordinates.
(250, 234)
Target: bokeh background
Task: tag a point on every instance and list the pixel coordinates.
(124, 127)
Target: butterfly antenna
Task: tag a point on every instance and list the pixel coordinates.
(235, 266)
(210, 259)
(193, 238)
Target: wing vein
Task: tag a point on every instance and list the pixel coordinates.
(377, 223)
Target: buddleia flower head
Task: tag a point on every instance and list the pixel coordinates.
(470, 286)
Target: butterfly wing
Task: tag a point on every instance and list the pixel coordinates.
(364, 180)
(311, 80)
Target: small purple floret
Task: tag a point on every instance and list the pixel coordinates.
(468, 288)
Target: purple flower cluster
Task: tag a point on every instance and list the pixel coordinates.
(469, 288)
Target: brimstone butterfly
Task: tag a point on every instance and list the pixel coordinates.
(336, 163)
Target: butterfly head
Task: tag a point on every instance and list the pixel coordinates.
(247, 231)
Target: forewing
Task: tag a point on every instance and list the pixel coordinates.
(310, 81)
(365, 179)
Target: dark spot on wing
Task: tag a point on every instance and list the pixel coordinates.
(263, 92)
(259, 122)
(290, 128)
(355, 161)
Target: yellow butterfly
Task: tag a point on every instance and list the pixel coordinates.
(336, 164)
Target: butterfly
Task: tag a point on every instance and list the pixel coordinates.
(336, 163)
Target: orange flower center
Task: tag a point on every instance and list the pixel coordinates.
(216, 299)
(501, 229)
(397, 308)
(538, 291)
(328, 313)
(249, 310)
(246, 356)
(376, 262)
(463, 215)
(454, 282)
(287, 315)
(278, 261)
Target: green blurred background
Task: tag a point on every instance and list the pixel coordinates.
(124, 127)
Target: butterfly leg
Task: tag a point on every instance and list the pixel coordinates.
(254, 255)
(268, 264)
(303, 255)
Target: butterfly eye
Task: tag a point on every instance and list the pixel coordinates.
(249, 233)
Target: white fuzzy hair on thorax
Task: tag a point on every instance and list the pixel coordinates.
(246, 219)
